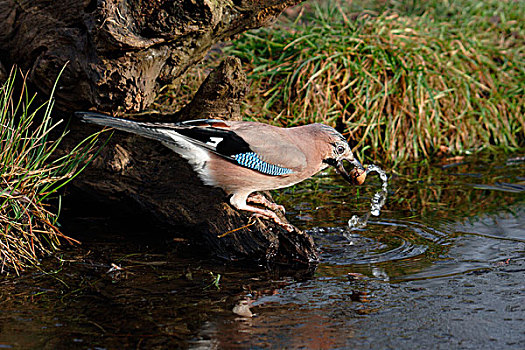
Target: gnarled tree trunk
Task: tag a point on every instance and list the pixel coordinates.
(119, 50)
(118, 53)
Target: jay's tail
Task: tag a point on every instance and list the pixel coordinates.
(149, 130)
(166, 133)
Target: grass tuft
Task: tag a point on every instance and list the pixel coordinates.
(30, 172)
(404, 79)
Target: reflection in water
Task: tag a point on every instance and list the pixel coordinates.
(271, 330)
(442, 267)
(472, 286)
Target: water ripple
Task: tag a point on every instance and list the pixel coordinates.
(411, 250)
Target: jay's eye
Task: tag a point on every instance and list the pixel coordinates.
(340, 149)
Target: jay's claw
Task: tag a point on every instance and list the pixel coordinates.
(276, 219)
(239, 202)
(258, 198)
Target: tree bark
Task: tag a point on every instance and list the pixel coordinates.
(3, 73)
(118, 53)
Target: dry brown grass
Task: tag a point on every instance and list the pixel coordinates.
(403, 82)
(29, 175)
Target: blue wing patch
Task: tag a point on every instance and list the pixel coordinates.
(251, 160)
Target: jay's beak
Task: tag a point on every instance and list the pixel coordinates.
(356, 176)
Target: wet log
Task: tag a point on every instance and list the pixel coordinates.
(118, 53)
(144, 175)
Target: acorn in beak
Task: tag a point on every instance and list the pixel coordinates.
(357, 175)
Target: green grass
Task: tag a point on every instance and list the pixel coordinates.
(403, 79)
(30, 173)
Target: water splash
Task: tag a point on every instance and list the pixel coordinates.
(381, 172)
(377, 202)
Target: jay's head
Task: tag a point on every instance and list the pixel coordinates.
(336, 151)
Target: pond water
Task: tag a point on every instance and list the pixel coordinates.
(442, 266)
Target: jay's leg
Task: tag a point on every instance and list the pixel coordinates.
(238, 200)
(258, 198)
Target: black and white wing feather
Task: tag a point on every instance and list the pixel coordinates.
(192, 140)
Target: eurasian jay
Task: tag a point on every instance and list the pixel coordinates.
(245, 157)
